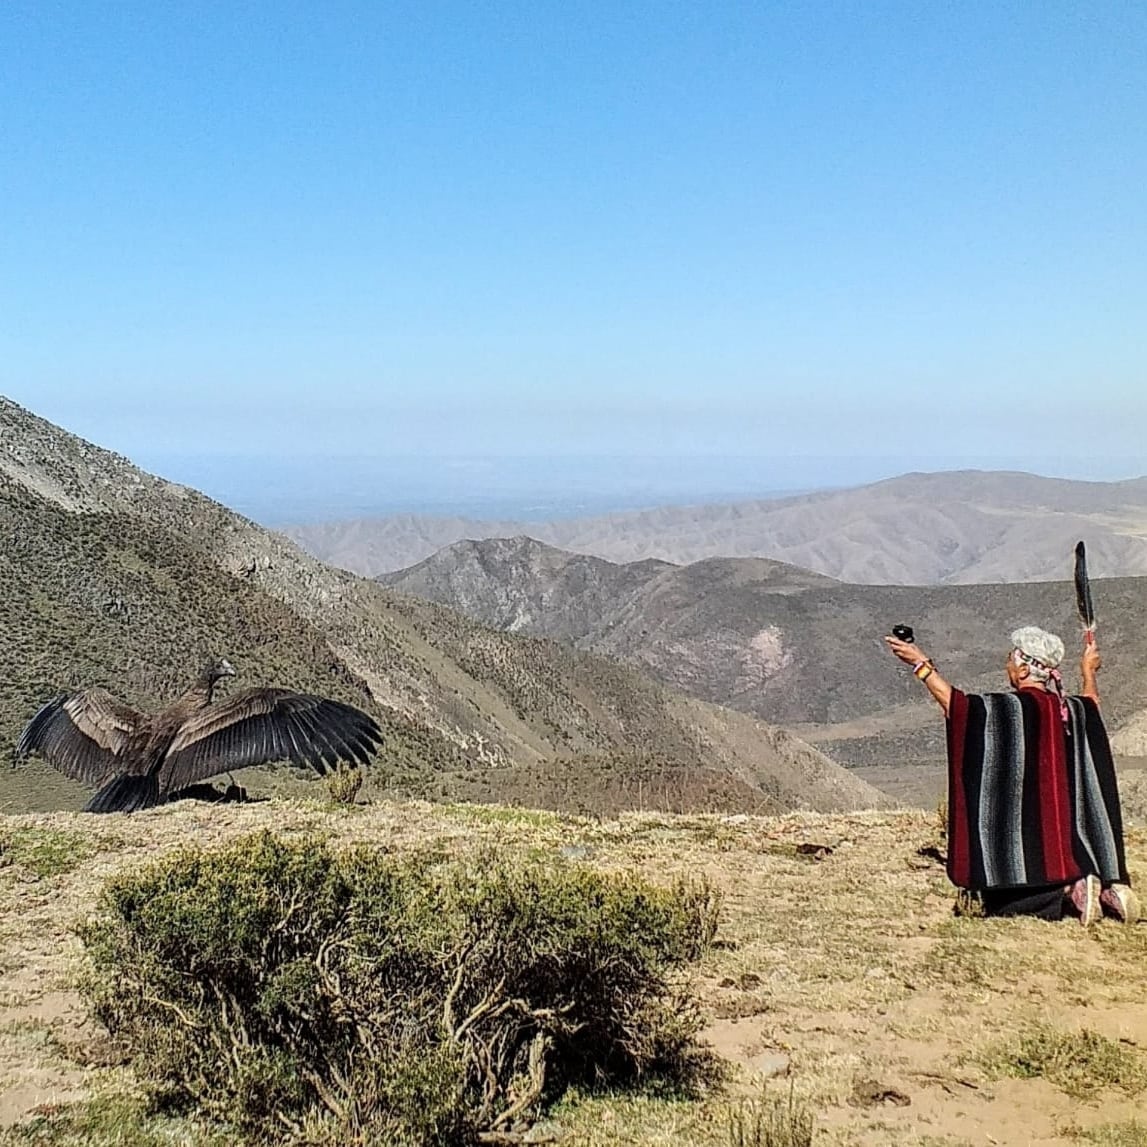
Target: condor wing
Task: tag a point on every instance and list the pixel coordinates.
(85, 735)
(262, 725)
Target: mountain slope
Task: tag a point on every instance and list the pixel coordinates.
(781, 643)
(112, 576)
(522, 584)
(967, 527)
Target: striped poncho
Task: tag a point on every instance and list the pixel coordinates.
(1032, 801)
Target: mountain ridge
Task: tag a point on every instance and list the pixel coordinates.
(114, 576)
(958, 527)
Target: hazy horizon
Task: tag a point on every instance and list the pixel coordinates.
(279, 491)
(290, 487)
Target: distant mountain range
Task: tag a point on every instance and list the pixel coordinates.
(788, 645)
(111, 576)
(965, 527)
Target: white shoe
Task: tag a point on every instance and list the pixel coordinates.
(1121, 902)
(1085, 895)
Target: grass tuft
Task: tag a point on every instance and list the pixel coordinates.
(968, 905)
(109, 1121)
(1079, 1063)
(44, 851)
(1129, 1134)
(771, 1121)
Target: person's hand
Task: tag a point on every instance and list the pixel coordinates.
(1090, 663)
(906, 651)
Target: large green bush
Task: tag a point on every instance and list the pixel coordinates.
(289, 989)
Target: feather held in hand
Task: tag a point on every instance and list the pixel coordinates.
(1083, 590)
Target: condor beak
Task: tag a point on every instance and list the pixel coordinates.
(226, 668)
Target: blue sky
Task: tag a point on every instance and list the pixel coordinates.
(859, 231)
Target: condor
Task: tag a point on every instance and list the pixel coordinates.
(139, 760)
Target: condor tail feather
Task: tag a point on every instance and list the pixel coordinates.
(128, 793)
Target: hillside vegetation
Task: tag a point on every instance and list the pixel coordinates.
(965, 527)
(839, 971)
(112, 576)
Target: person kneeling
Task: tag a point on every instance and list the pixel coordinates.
(1034, 822)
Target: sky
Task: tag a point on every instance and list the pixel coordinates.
(770, 245)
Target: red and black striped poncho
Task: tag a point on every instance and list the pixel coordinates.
(1032, 800)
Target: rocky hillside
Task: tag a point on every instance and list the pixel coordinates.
(113, 576)
(784, 644)
(969, 527)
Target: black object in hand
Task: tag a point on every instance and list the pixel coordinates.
(903, 633)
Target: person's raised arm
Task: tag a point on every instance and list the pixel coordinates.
(1089, 665)
(923, 669)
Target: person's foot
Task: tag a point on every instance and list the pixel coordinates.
(1119, 901)
(1085, 896)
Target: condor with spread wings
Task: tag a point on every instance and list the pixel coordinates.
(139, 760)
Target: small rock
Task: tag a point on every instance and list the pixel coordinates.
(770, 1064)
(872, 1093)
(816, 851)
(576, 852)
(545, 1132)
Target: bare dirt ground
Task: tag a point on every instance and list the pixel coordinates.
(841, 973)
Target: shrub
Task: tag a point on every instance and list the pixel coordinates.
(284, 987)
(343, 784)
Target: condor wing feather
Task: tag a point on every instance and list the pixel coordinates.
(1083, 593)
(84, 735)
(262, 725)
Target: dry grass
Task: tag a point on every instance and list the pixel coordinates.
(847, 976)
(1080, 1063)
(1132, 1133)
(343, 784)
(44, 851)
(775, 1121)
